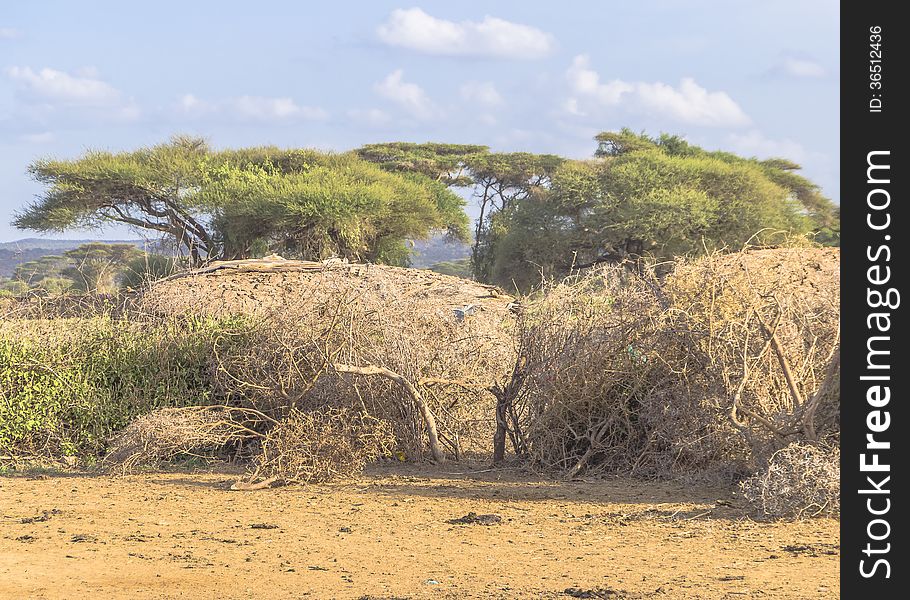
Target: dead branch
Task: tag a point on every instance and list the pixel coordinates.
(428, 419)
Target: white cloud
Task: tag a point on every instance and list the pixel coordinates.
(189, 103)
(687, 103)
(481, 92)
(254, 108)
(272, 109)
(691, 103)
(88, 72)
(370, 116)
(586, 82)
(409, 96)
(46, 92)
(8, 33)
(492, 37)
(754, 143)
(58, 87)
(799, 67)
(571, 106)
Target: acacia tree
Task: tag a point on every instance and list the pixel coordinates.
(496, 180)
(151, 189)
(233, 203)
(501, 180)
(660, 197)
(45, 273)
(446, 163)
(822, 214)
(91, 267)
(96, 266)
(312, 204)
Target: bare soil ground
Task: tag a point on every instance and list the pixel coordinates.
(388, 535)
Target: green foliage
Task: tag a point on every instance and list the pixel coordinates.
(446, 163)
(13, 287)
(659, 197)
(149, 189)
(68, 388)
(91, 267)
(502, 181)
(149, 267)
(315, 205)
(498, 181)
(34, 272)
(539, 213)
(56, 286)
(613, 143)
(96, 266)
(821, 212)
(232, 203)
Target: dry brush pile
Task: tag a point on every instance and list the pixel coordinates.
(709, 370)
(800, 480)
(168, 433)
(724, 366)
(409, 355)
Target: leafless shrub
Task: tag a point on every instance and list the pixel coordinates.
(322, 445)
(725, 361)
(801, 480)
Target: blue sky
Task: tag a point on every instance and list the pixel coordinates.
(756, 78)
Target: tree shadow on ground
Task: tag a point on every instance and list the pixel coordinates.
(512, 484)
(466, 481)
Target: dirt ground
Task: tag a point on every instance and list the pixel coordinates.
(388, 535)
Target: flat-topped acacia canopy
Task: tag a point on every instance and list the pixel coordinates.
(232, 203)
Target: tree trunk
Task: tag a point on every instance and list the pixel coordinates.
(499, 438)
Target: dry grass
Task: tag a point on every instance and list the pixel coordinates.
(38, 305)
(322, 445)
(801, 480)
(167, 433)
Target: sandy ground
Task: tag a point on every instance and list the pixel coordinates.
(387, 535)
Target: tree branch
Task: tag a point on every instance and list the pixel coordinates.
(428, 418)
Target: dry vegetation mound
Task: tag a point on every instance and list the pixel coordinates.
(727, 366)
(413, 348)
(167, 433)
(712, 369)
(273, 285)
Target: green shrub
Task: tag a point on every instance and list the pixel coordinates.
(67, 385)
(148, 268)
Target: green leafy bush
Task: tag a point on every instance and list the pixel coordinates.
(148, 268)
(66, 385)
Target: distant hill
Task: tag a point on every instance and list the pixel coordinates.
(438, 249)
(25, 250)
(425, 253)
(62, 245)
